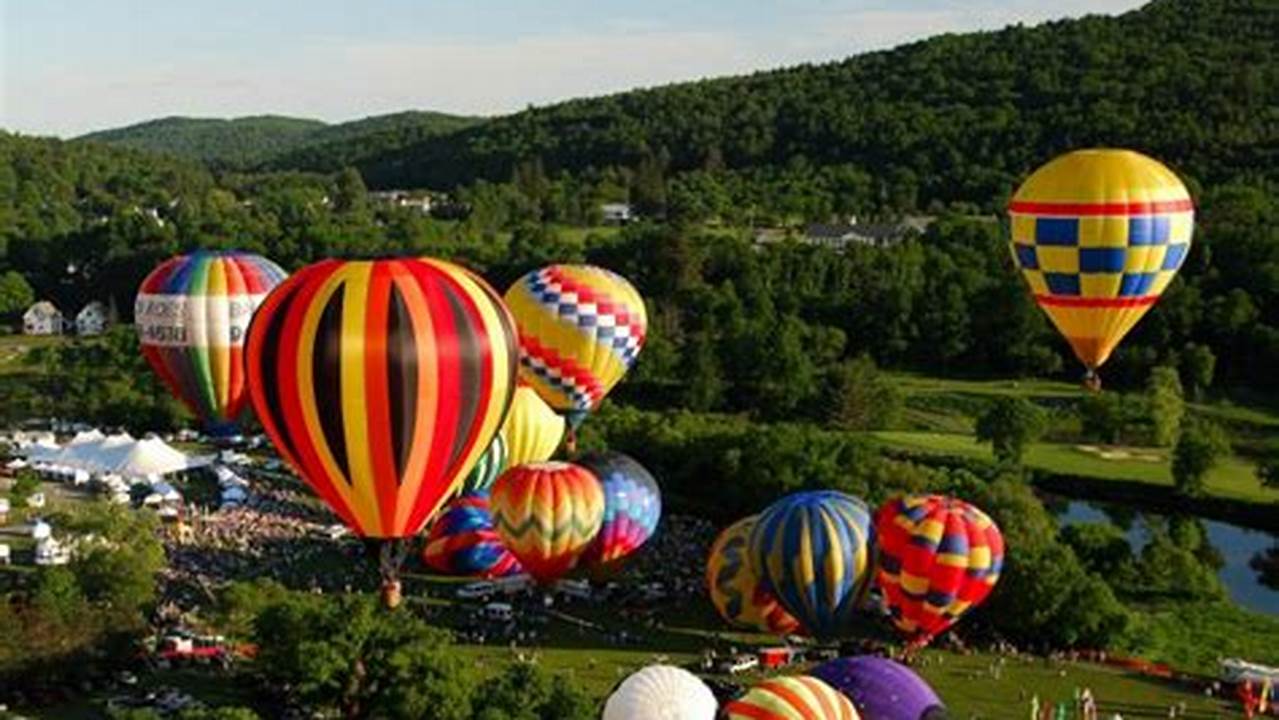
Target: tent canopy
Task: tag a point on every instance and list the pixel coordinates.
(120, 454)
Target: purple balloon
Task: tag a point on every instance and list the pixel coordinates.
(882, 689)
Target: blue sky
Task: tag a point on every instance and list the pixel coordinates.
(71, 66)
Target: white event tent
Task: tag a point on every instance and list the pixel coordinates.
(119, 454)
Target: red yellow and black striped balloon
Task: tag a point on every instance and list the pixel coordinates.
(382, 382)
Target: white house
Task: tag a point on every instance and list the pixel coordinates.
(52, 552)
(43, 318)
(617, 213)
(91, 320)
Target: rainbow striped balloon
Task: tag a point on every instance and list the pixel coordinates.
(546, 514)
(938, 558)
(814, 550)
(735, 589)
(532, 431)
(632, 507)
(382, 382)
(792, 698)
(581, 328)
(192, 314)
(487, 468)
(462, 541)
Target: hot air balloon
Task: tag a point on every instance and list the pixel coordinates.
(882, 689)
(736, 591)
(791, 698)
(581, 328)
(547, 514)
(661, 692)
(938, 558)
(532, 430)
(1098, 235)
(487, 468)
(814, 551)
(632, 507)
(381, 383)
(192, 313)
(462, 541)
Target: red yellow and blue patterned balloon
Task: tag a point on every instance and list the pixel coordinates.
(1098, 235)
(798, 697)
(462, 541)
(547, 514)
(487, 468)
(938, 558)
(192, 314)
(581, 328)
(815, 550)
(632, 508)
(532, 431)
(736, 591)
(381, 383)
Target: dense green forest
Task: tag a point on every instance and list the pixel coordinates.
(291, 142)
(952, 119)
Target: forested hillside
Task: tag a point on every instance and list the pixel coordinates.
(236, 142)
(252, 141)
(956, 118)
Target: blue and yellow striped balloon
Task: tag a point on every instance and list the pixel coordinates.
(1098, 235)
(814, 551)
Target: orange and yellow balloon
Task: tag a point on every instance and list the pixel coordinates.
(792, 698)
(547, 514)
(581, 328)
(1098, 235)
(381, 383)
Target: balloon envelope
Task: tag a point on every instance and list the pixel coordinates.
(736, 591)
(532, 430)
(632, 507)
(487, 468)
(791, 698)
(661, 692)
(814, 551)
(581, 328)
(546, 514)
(1098, 235)
(381, 383)
(462, 541)
(882, 689)
(192, 313)
(938, 558)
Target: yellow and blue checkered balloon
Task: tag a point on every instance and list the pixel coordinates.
(1098, 235)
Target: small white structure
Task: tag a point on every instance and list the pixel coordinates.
(91, 320)
(42, 318)
(4, 509)
(51, 552)
(616, 213)
(40, 530)
(4, 554)
(35, 500)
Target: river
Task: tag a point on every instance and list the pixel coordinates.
(1237, 546)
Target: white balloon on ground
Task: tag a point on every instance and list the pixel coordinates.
(661, 692)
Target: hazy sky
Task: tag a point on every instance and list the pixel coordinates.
(70, 66)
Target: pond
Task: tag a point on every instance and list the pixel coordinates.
(1236, 545)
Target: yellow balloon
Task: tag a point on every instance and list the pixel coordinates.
(532, 430)
(1098, 235)
(581, 328)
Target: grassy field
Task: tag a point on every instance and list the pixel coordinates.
(1234, 478)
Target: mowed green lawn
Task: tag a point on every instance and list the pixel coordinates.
(1233, 478)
